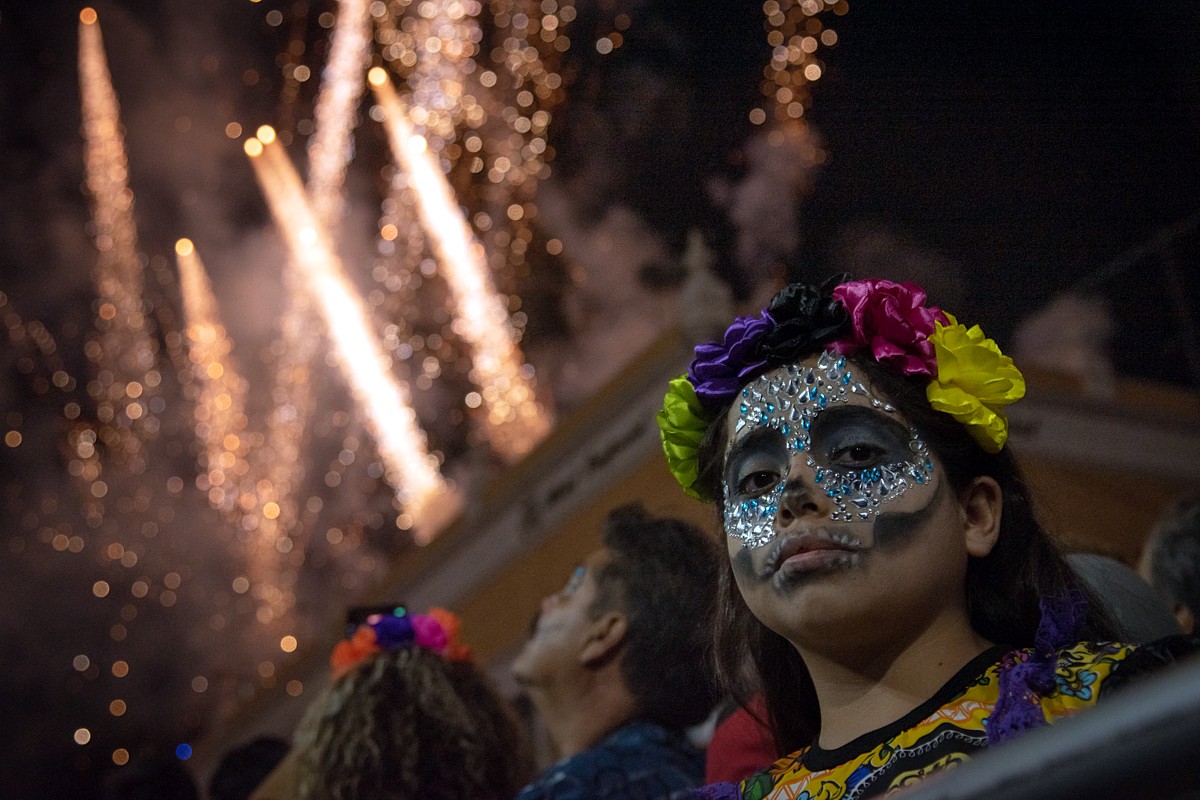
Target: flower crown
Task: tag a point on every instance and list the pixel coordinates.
(969, 378)
(436, 631)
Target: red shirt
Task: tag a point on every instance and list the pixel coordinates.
(740, 746)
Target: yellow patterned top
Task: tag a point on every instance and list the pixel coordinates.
(944, 731)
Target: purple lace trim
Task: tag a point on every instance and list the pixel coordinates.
(1025, 681)
(716, 791)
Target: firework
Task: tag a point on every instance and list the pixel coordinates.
(342, 84)
(124, 351)
(329, 152)
(409, 467)
(515, 421)
(795, 32)
(220, 418)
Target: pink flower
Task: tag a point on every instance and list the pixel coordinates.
(893, 321)
(430, 633)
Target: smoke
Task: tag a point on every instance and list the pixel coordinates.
(764, 204)
(1070, 337)
(869, 249)
(611, 315)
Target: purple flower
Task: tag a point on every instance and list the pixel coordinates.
(720, 368)
(392, 631)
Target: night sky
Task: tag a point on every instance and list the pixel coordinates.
(1002, 153)
(1030, 144)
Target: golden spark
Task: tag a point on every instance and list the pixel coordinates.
(409, 467)
(515, 421)
(127, 351)
(220, 416)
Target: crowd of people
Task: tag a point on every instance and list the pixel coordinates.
(877, 603)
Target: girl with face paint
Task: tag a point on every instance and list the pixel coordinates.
(898, 602)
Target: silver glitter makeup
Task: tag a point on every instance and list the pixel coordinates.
(788, 399)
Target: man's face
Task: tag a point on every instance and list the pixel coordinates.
(553, 649)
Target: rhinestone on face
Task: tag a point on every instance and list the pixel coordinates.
(789, 403)
(754, 520)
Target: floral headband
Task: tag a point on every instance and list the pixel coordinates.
(969, 378)
(436, 631)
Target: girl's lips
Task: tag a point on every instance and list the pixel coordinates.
(805, 552)
(815, 560)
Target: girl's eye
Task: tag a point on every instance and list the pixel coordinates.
(757, 482)
(856, 455)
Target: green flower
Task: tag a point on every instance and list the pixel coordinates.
(682, 423)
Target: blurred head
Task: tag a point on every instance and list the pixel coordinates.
(1139, 613)
(641, 602)
(569, 640)
(243, 768)
(853, 440)
(1171, 560)
(152, 777)
(409, 723)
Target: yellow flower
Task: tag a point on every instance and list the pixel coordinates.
(682, 423)
(974, 382)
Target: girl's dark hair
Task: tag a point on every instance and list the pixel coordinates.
(1004, 588)
(410, 724)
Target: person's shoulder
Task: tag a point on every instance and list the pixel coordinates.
(569, 779)
(1087, 654)
(637, 760)
(740, 744)
(1146, 659)
(1128, 658)
(1079, 672)
(645, 740)
(1086, 671)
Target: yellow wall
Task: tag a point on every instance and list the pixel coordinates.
(1093, 510)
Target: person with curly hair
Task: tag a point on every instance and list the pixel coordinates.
(617, 663)
(407, 717)
(899, 604)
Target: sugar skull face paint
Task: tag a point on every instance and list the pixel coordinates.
(860, 454)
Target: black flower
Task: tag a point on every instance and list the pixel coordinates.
(806, 318)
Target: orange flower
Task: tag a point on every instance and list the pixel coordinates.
(348, 653)
(455, 650)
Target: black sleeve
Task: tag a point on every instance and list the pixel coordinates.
(1149, 658)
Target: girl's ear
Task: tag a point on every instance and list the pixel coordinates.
(981, 505)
